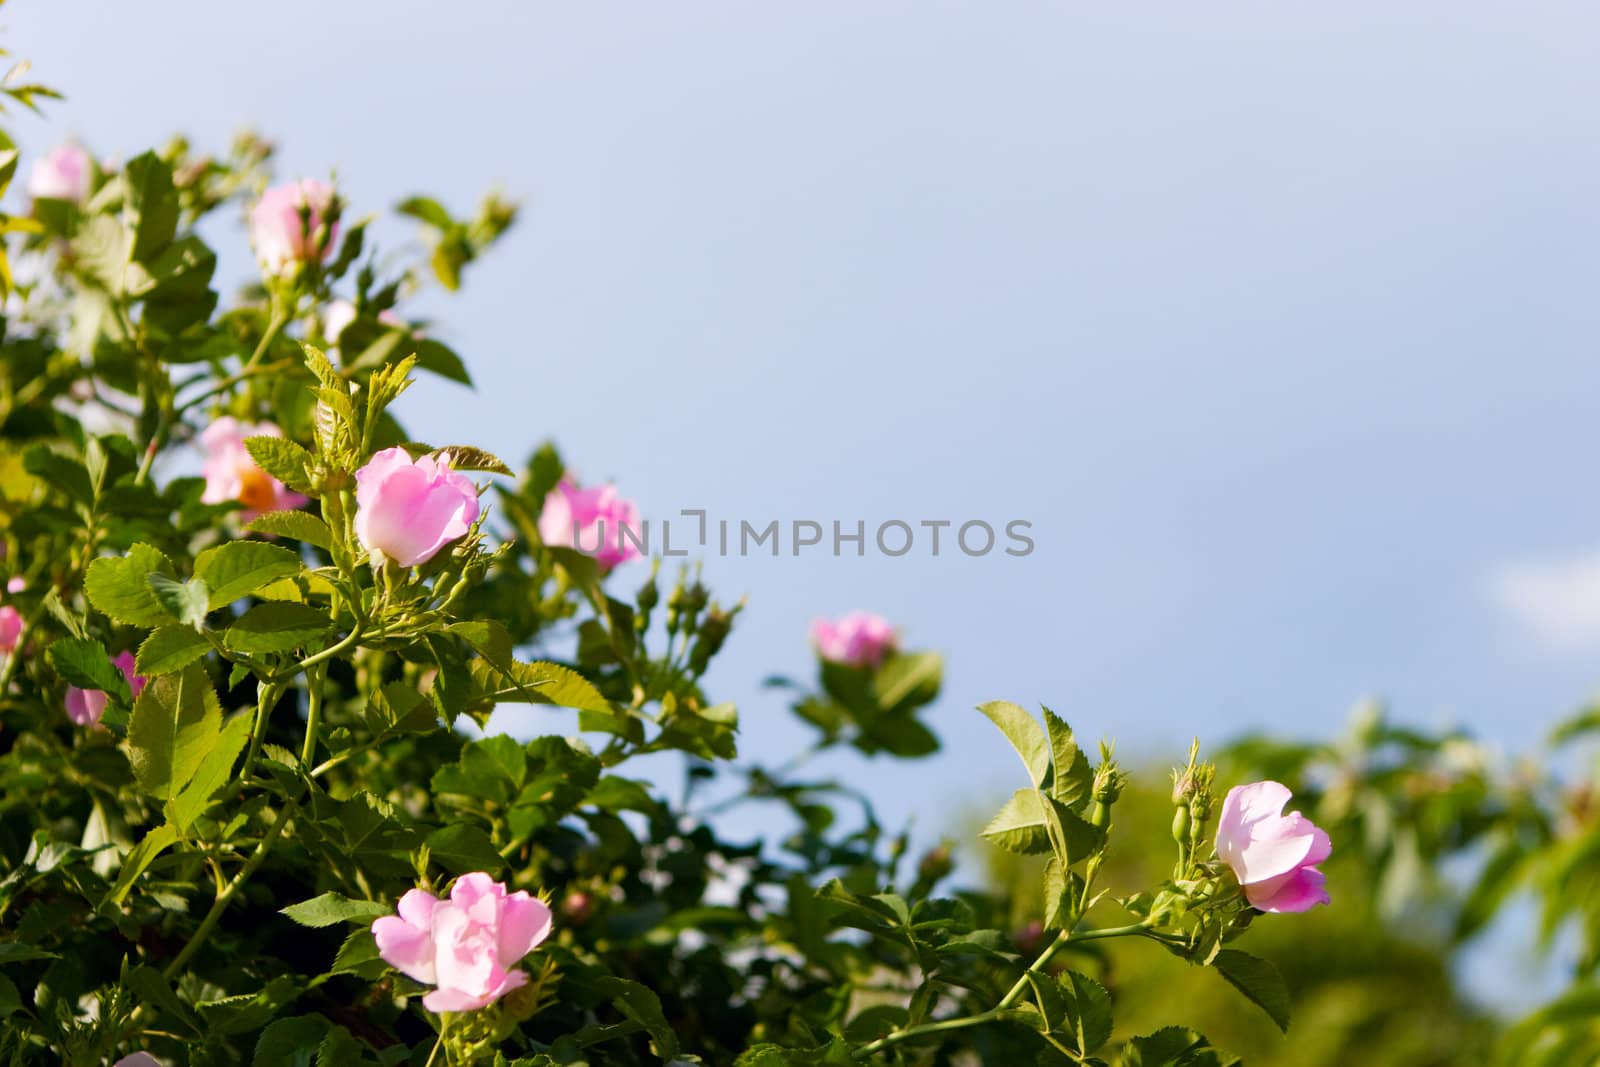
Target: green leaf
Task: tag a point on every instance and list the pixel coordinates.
(277, 626)
(168, 649)
(440, 359)
(1258, 980)
(1174, 1046)
(184, 601)
(215, 769)
(84, 663)
(330, 908)
(283, 459)
(152, 205)
(149, 847)
(1088, 1011)
(291, 1042)
(642, 1006)
(116, 586)
(1020, 826)
(359, 955)
(239, 568)
(467, 458)
(547, 683)
(174, 724)
(300, 525)
(1071, 780)
(907, 681)
(462, 848)
(1025, 735)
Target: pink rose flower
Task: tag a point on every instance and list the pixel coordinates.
(138, 1059)
(407, 510)
(62, 174)
(468, 945)
(231, 474)
(282, 240)
(1273, 855)
(859, 639)
(591, 521)
(10, 628)
(85, 706)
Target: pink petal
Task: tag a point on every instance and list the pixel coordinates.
(1299, 890)
(524, 923)
(408, 949)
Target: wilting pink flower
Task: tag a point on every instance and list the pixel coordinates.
(591, 521)
(85, 706)
(409, 509)
(231, 474)
(138, 1059)
(61, 174)
(859, 639)
(283, 239)
(1273, 855)
(467, 945)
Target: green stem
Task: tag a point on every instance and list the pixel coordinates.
(275, 325)
(314, 677)
(220, 905)
(962, 1022)
(266, 697)
(444, 1023)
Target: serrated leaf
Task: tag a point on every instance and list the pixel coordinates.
(331, 908)
(185, 601)
(174, 724)
(215, 769)
(169, 648)
(467, 458)
(140, 857)
(1258, 980)
(276, 626)
(1019, 826)
(1025, 735)
(116, 586)
(462, 848)
(1071, 779)
(283, 459)
(548, 683)
(84, 663)
(300, 525)
(239, 568)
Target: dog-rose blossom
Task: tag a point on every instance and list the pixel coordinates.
(1273, 855)
(231, 473)
(592, 521)
(282, 239)
(467, 945)
(63, 173)
(85, 706)
(859, 639)
(138, 1059)
(407, 510)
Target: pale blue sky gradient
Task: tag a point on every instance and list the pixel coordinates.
(1277, 321)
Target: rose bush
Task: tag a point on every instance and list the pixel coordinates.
(246, 816)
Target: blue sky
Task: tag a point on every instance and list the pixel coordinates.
(1276, 321)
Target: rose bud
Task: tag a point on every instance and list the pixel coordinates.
(1273, 855)
(407, 510)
